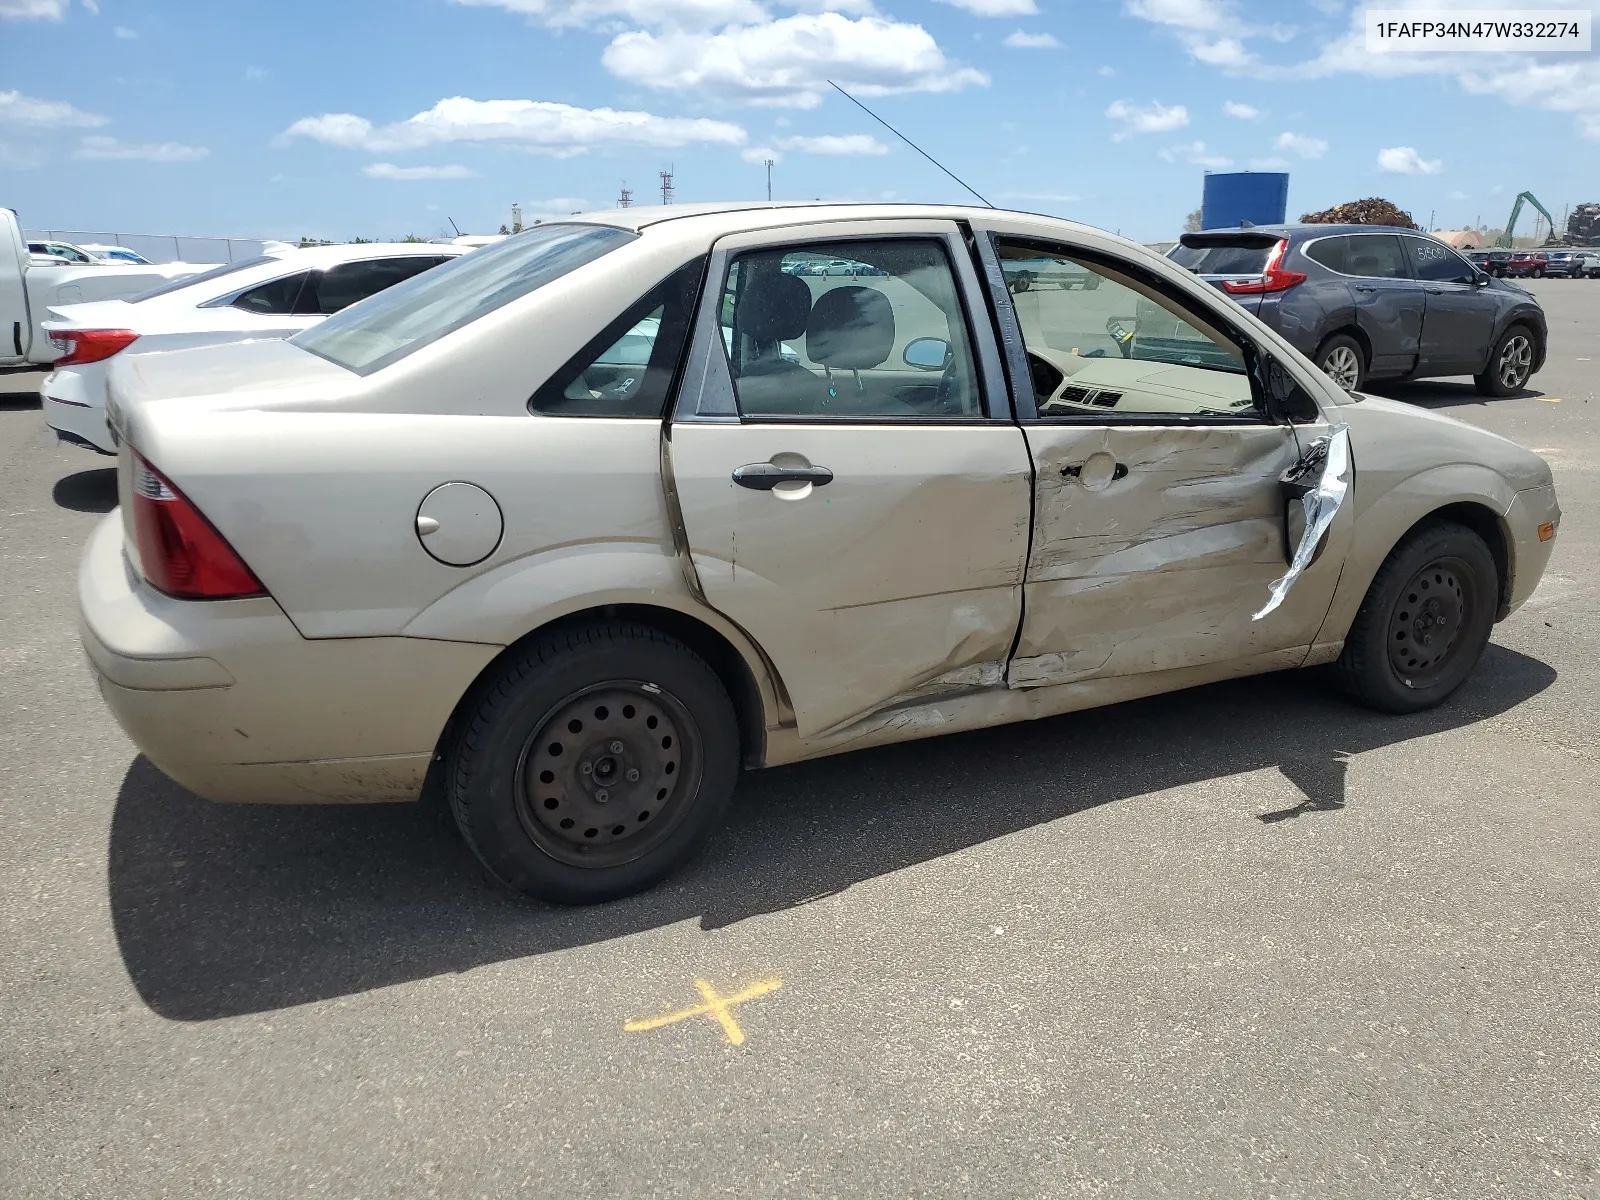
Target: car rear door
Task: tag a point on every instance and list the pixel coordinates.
(1458, 313)
(1389, 302)
(863, 518)
(16, 325)
(1159, 519)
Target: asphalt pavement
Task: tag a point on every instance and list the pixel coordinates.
(1246, 940)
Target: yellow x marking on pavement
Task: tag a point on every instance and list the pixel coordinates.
(716, 1006)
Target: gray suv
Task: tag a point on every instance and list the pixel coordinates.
(1367, 302)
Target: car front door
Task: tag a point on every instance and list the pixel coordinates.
(1459, 314)
(853, 491)
(1389, 302)
(1159, 517)
(16, 325)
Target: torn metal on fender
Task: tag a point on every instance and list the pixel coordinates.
(1321, 504)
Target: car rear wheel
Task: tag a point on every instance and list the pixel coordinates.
(1510, 364)
(1424, 622)
(1342, 361)
(594, 763)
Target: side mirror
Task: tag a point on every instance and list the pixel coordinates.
(927, 354)
(1283, 397)
(1481, 279)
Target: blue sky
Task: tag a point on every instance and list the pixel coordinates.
(359, 117)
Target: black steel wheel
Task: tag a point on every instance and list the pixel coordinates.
(592, 762)
(1510, 364)
(1425, 620)
(602, 778)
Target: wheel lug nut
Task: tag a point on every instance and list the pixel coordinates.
(633, 774)
(586, 769)
(602, 796)
(616, 747)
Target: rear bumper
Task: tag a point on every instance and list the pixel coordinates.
(74, 402)
(227, 698)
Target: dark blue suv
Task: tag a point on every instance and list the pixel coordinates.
(1368, 302)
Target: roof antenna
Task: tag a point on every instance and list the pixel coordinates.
(454, 226)
(908, 142)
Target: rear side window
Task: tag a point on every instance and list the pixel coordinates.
(339, 287)
(1222, 260)
(423, 309)
(276, 298)
(628, 369)
(1376, 256)
(1332, 252)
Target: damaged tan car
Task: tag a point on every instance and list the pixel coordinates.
(585, 522)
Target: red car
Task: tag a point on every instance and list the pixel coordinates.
(1527, 262)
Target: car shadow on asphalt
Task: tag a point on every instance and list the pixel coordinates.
(221, 910)
(1444, 393)
(92, 491)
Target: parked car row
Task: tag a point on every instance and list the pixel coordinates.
(1537, 264)
(586, 521)
(1367, 303)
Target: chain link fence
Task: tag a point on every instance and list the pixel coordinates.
(158, 247)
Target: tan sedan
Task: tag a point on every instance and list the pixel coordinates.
(585, 522)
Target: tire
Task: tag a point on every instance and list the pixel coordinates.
(1510, 364)
(540, 789)
(1341, 359)
(1538, 272)
(1424, 622)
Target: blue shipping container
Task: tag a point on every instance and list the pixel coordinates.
(1260, 197)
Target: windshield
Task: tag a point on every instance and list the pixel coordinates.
(1221, 260)
(202, 277)
(384, 328)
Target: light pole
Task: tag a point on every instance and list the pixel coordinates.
(768, 163)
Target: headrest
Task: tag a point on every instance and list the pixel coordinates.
(851, 328)
(775, 307)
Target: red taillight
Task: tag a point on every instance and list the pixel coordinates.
(90, 345)
(182, 554)
(1273, 279)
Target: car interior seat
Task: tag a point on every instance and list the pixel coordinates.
(774, 307)
(851, 329)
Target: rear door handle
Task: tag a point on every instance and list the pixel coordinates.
(764, 476)
(1365, 287)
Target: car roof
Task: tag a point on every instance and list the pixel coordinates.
(1306, 229)
(737, 216)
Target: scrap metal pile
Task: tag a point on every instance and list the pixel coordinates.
(1583, 226)
(1372, 211)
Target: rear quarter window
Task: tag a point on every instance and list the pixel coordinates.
(1331, 252)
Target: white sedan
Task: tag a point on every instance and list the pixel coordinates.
(273, 296)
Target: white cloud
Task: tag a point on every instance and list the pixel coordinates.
(1458, 195)
(996, 8)
(386, 170)
(17, 109)
(1195, 154)
(123, 33)
(1228, 53)
(1149, 118)
(849, 143)
(1272, 163)
(1301, 144)
(788, 62)
(1183, 14)
(1106, 72)
(1243, 112)
(760, 154)
(1018, 40)
(32, 10)
(109, 149)
(255, 74)
(1404, 160)
(536, 125)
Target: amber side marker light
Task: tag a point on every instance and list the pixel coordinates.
(1547, 531)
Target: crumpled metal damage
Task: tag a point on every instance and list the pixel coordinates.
(1321, 504)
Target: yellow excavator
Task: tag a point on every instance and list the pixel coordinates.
(1516, 211)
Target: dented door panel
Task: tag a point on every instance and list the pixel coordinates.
(900, 577)
(1156, 545)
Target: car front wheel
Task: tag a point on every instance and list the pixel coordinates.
(1510, 364)
(593, 763)
(1342, 361)
(1424, 622)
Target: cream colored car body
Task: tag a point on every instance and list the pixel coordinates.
(950, 577)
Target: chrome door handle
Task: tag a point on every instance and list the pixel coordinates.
(765, 476)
